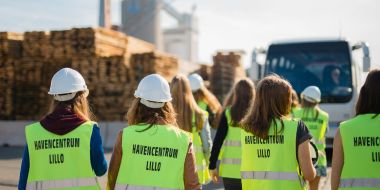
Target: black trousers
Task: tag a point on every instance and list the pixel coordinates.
(232, 183)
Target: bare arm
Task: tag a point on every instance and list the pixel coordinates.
(113, 171)
(305, 162)
(337, 161)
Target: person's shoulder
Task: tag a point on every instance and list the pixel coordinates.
(292, 121)
(178, 131)
(134, 127)
(351, 122)
(324, 113)
(90, 123)
(31, 125)
(296, 109)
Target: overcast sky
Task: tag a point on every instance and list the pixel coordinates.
(223, 24)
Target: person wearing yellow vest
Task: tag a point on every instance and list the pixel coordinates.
(317, 122)
(191, 118)
(356, 149)
(295, 103)
(227, 143)
(275, 148)
(204, 98)
(152, 152)
(64, 150)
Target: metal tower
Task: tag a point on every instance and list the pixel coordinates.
(105, 14)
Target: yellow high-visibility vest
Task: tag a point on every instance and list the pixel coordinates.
(60, 161)
(153, 159)
(317, 127)
(201, 160)
(271, 163)
(231, 151)
(361, 147)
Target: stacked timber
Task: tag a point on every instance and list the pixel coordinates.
(7, 74)
(10, 50)
(75, 42)
(227, 69)
(10, 44)
(35, 44)
(101, 56)
(204, 71)
(143, 64)
(109, 83)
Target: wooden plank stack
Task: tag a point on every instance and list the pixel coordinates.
(109, 83)
(75, 42)
(10, 50)
(227, 69)
(102, 56)
(10, 44)
(143, 64)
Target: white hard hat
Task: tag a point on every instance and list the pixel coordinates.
(154, 91)
(311, 94)
(196, 82)
(66, 83)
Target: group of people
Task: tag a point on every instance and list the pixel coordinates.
(262, 141)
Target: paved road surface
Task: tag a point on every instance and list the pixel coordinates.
(10, 161)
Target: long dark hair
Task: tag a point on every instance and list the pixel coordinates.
(369, 97)
(272, 101)
(242, 96)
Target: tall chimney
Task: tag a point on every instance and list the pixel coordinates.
(105, 14)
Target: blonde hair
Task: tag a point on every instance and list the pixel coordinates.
(184, 104)
(209, 98)
(139, 113)
(79, 104)
(295, 100)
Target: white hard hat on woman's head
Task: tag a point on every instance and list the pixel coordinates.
(66, 83)
(196, 82)
(154, 91)
(311, 94)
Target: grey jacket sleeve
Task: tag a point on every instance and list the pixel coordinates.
(206, 139)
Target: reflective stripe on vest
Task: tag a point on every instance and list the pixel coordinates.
(200, 157)
(271, 164)
(270, 175)
(65, 183)
(55, 159)
(230, 154)
(235, 161)
(359, 183)
(138, 187)
(361, 149)
(198, 148)
(232, 143)
(156, 157)
(201, 167)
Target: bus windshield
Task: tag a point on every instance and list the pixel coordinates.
(323, 64)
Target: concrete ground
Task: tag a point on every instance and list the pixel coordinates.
(10, 162)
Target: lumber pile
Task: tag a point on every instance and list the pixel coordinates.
(227, 69)
(107, 61)
(75, 42)
(143, 64)
(10, 44)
